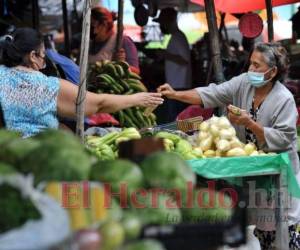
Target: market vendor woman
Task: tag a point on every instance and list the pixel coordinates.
(268, 116)
(104, 39)
(31, 101)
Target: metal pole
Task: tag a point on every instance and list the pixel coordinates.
(66, 28)
(223, 26)
(270, 20)
(85, 41)
(35, 15)
(214, 40)
(120, 25)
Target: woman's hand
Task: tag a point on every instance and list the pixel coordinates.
(243, 119)
(120, 55)
(145, 99)
(167, 91)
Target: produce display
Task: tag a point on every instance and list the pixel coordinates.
(158, 213)
(113, 235)
(116, 172)
(106, 147)
(116, 78)
(160, 182)
(59, 157)
(175, 143)
(167, 170)
(81, 217)
(132, 225)
(217, 138)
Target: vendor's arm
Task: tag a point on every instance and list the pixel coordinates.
(105, 103)
(211, 96)
(188, 96)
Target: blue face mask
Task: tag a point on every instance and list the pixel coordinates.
(257, 79)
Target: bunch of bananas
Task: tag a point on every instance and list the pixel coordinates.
(116, 78)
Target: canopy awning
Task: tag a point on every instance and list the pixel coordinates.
(243, 6)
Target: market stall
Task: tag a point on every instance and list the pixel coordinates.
(161, 162)
(111, 150)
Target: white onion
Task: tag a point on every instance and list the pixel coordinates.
(224, 123)
(249, 148)
(223, 145)
(236, 152)
(206, 144)
(214, 130)
(209, 153)
(216, 140)
(204, 126)
(227, 134)
(236, 143)
(214, 120)
(203, 135)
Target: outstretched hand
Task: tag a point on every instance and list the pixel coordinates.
(145, 99)
(167, 91)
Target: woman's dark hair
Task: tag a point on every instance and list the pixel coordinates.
(102, 15)
(13, 48)
(275, 55)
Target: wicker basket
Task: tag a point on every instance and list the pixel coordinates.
(185, 125)
(190, 124)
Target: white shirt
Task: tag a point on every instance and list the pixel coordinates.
(178, 76)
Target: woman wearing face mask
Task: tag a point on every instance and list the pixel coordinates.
(268, 117)
(104, 40)
(31, 101)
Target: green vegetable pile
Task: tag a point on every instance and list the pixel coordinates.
(59, 156)
(106, 147)
(116, 78)
(116, 172)
(174, 143)
(53, 155)
(167, 170)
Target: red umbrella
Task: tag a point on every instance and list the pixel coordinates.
(242, 6)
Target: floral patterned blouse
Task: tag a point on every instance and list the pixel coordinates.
(250, 137)
(28, 100)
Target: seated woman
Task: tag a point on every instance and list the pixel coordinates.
(31, 101)
(268, 119)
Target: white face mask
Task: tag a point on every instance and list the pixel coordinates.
(257, 79)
